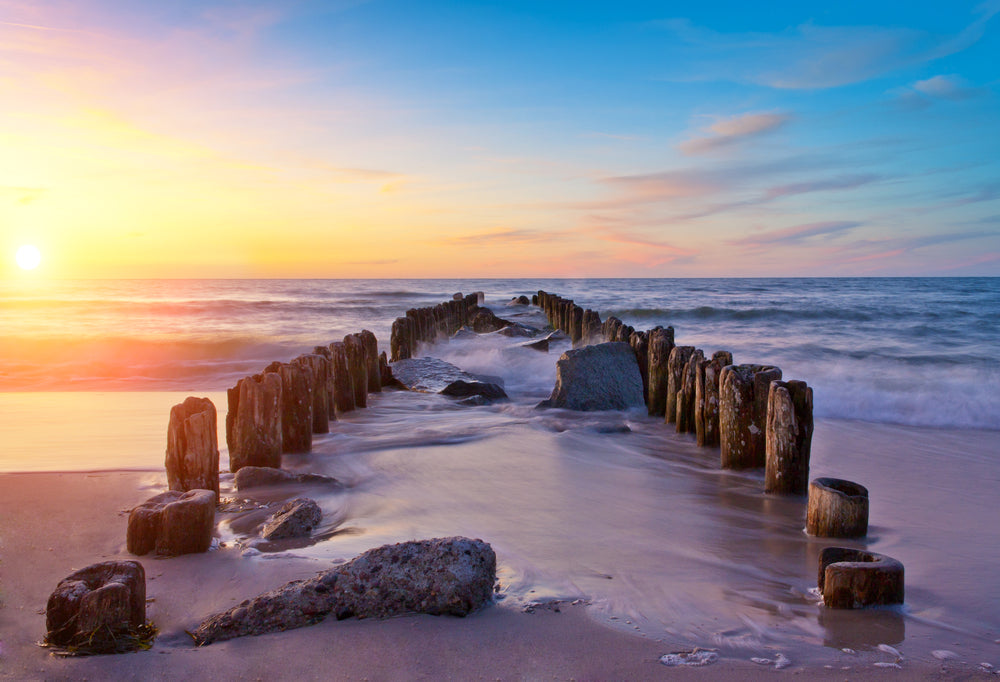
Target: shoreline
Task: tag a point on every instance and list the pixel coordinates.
(84, 522)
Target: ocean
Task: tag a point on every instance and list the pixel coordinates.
(614, 508)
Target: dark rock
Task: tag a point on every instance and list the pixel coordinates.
(464, 389)
(255, 477)
(193, 446)
(542, 345)
(599, 377)
(464, 333)
(295, 519)
(484, 321)
(515, 330)
(98, 609)
(172, 523)
(444, 576)
(519, 300)
(428, 375)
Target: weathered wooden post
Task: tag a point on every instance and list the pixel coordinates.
(854, 578)
(706, 398)
(343, 384)
(743, 391)
(686, 392)
(837, 509)
(591, 327)
(661, 342)
(640, 346)
(576, 326)
(330, 400)
(371, 353)
(357, 366)
(788, 440)
(256, 426)
(399, 345)
(318, 368)
(297, 405)
(192, 459)
(679, 356)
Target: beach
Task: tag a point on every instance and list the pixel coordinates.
(618, 540)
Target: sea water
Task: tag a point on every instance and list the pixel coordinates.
(615, 507)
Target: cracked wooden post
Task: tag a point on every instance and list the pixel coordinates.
(660, 342)
(743, 391)
(192, 458)
(330, 399)
(357, 367)
(296, 405)
(788, 439)
(371, 353)
(706, 398)
(679, 356)
(318, 368)
(255, 435)
(576, 326)
(837, 509)
(343, 384)
(684, 418)
(640, 346)
(591, 327)
(399, 343)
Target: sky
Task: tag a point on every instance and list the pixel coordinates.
(419, 138)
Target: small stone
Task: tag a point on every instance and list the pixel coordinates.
(295, 519)
(944, 654)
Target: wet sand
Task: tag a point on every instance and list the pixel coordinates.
(52, 524)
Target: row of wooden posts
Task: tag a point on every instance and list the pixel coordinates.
(755, 419)
(426, 325)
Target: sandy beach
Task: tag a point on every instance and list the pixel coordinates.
(53, 523)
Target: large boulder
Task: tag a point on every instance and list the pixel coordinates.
(172, 523)
(99, 609)
(295, 519)
(600, 377)
(444, 576)
(193, 446)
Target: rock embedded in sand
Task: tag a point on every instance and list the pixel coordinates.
(743, 391)
(172, 523)
(853, 578)
(428, 375)
(443, 576)
(255, 477)
(599, 377)
(192, 459)
(837, 509)
(788, 440)
(296, 518)
(253, 424)
(98, 609)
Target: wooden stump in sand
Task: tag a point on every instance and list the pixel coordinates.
(660, 342)
(343, 384)
(255, 436)
(686, 392)
(854, 578)
(318, 369)
(591, 327)
(576, 326)
(371, 353)
(640, 345)
(679, 356)
(357, 365)
(399, 340)
(788, 438)
(706, 398)
(837, 509)
(296, 406)
(193, 446)
(743, 391)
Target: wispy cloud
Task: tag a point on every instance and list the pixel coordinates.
(796, 233)
(496, 237)
(923, 93)
(729, 131)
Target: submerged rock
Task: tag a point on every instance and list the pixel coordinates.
(600, 377)
(255, 477)
(429, 375)
(444, 576)
(465, 389)
(100, 609)
(295, 519)
(485, 321)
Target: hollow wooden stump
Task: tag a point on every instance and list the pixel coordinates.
(853, 578)
(743, 391)
(660, 342)
(788, 438)
(837, 509)
(706, 398)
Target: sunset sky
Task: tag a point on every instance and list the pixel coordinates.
(520, 139)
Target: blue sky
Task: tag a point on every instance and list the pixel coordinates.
(507, 139)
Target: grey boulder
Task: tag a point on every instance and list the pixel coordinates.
(600, 377)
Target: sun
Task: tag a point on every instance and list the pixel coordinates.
(28, 257)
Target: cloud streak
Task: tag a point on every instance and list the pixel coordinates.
(728, 132)
(796, 234)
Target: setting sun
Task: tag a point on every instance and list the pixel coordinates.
(28, 257)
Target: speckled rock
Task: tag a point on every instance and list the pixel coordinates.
(444, 576)
(295, 519)
(604, 376)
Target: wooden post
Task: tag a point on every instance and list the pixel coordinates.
(660, 342)
(788, 440)
(318, 368)
(343, 383)
(296, 405)
(686, 392)
(371, 353)
(576, 325)
(399, 345)
(679, 356)
(256, 432)
(591, 327)
(357, 367)
(706, 398)
(854, 578)
(837, 509)
(192, 459)
(743, 414)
